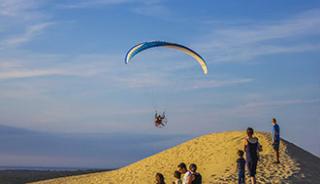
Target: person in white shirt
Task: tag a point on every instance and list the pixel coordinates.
(186, 175)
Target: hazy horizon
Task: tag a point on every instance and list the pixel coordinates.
(29, 149)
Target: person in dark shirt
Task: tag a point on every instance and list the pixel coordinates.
(276, 138)
(196, 177)
(241, 163)
(252, 148)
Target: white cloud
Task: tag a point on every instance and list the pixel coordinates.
(220, 83)
(28, 65)
(251, 110)
(108, 69)
(30, 73)
(260, 108)
(152, 8)
(21, 8)
(14, 7)
(7, 65)
(94, 3)
(21, 21)
(143, 80)
(163, 81)
(28, 35)
(247, 41)
(281, 103)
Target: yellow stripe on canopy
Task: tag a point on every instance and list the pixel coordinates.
(192, 54)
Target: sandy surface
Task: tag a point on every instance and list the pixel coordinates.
(215, 155)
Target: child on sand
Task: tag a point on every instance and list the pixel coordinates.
(177, 175)
(160, 178)
(241, 162)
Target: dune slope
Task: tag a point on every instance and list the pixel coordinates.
(215, 155)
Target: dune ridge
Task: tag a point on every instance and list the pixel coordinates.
(215, 155)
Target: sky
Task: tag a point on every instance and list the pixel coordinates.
(62, 67)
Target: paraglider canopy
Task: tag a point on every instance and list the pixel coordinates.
(147, 45)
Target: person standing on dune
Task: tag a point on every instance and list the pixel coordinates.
(252, 148)
(276, 138)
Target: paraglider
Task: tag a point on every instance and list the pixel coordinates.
(161, 120)
(147, 45)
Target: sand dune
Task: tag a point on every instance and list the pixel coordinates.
(215, 155)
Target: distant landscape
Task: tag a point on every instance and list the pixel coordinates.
(21, 176)
(22, 147)
(33, 156)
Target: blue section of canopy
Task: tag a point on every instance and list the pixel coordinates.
(143, 46)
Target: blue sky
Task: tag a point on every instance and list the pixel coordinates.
(62, 66)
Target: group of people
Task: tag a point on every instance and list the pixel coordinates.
(183, 175)
(252, 147)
